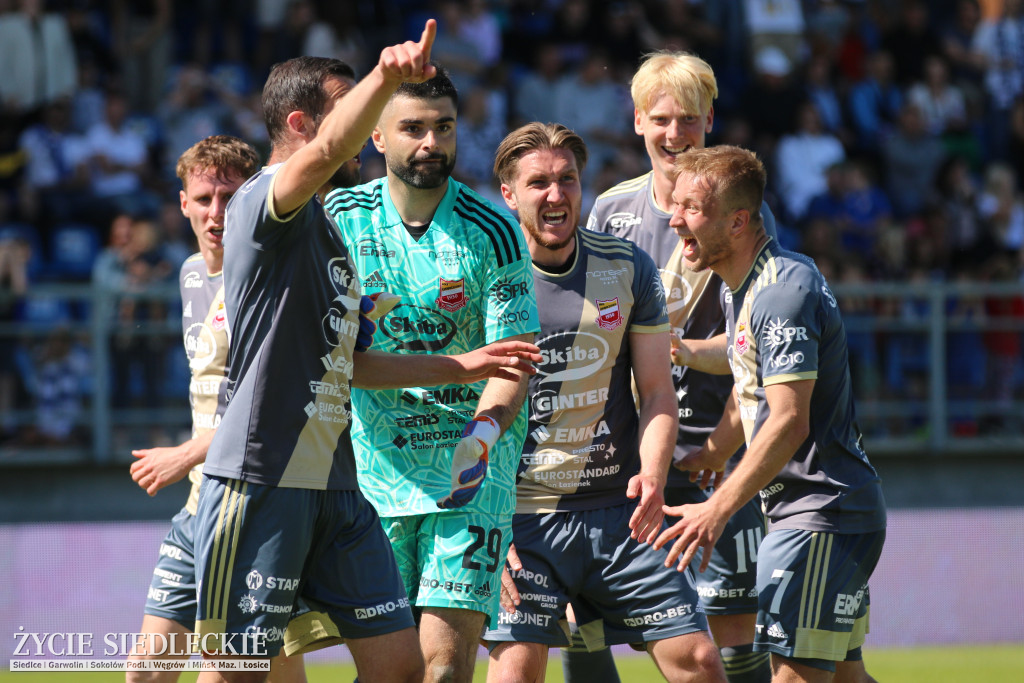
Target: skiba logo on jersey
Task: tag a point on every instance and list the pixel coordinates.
(608, 314)
(452, 294)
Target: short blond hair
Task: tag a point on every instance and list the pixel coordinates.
(688, 79)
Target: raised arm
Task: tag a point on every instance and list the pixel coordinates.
(347, 126)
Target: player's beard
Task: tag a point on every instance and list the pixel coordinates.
(424, 178)
(347, 175)
(540, 238)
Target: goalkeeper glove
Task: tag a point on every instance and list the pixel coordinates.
(469, 461)
(372, 308)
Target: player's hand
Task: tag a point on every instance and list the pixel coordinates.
(469, 461)
(496, 360)
(645, 523)
(681, 354)
(159, 467)
(509, 593)
(371, 309)
(410, 61)
(364, 337)
(704, 469)
(700, 526)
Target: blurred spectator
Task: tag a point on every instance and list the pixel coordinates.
(37, 57)
(596, 107)
(480, 130)
(1005, 315)
(941, 103)
(859, 312)
(577, 28)
(217, 24)
(56, 184)
(820, 89)
(14, 257)
(827, 24)
(875, 103)
(776, 23)
(771, 100)
(802, 161)
(623, 37)
(963, 234)
(910, 41)
(1017, 139)
(536, 94)
(144, 44)
(453, 50)
(1001, 207)
(13, 162)
(118, 162)
(61, 371)
(967, 67)
(866, 213)
(127, 269)
(999, 42)
(196, 107)
(480, 26)
(337, 34)
(911, 160)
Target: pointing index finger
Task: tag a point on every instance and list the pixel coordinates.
(427, 39)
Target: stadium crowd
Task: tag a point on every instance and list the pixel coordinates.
(893, 133)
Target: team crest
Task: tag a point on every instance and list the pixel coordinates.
(609, 316)
(452, 294)
(220, 318)
(741, 339)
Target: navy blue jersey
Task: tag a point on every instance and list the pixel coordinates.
(784, 325)
(292, 299)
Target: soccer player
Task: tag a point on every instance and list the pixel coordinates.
(462, 271)
(673, 94)
(288, 552)
(590, 447)
(211, 171)
(822, 498)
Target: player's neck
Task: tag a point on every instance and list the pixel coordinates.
(415, 205)
(737, 267)
(663, 187)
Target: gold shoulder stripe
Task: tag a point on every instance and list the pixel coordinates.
(626, 186)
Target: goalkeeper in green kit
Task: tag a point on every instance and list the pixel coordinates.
(439, 463)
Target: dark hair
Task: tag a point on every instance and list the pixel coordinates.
(439, 86)
(298, 85)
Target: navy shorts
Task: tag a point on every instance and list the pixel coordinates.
(729, 583)
(293, 568)
(172, 591)
(620, 589)
(814, 600)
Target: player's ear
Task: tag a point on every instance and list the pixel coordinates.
(740, 220)
(299, 123)
(710, 120)
(638, 121)
(184, 202)
(378, 139)
(510, 198)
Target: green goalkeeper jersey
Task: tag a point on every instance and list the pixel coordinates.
(466, 282)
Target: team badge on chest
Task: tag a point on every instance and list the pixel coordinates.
(741, 339)
(452, 294)
(608, 314)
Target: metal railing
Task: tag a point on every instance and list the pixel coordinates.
(904, 338)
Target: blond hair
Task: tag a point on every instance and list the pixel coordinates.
(688, 79)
